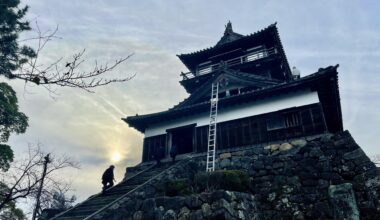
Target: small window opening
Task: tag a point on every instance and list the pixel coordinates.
(222, 95)
(280, 121)
(275, 122)
(234, 92)
(205, 70)
(292, 119)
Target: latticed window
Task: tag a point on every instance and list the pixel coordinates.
(285, 120)
(291, 119)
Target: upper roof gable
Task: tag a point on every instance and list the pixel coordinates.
(229, 35)
(235, 79)
(229, 39)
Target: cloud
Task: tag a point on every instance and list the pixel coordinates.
(89, 126)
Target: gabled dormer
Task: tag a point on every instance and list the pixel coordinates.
(259, 54)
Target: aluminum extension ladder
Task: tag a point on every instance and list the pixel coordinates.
(211, 146)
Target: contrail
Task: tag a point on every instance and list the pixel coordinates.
(103, 108)
(112, 106)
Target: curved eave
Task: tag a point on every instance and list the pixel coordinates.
(141, 122)
(186, 58)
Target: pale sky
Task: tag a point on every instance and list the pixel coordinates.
(88, 127)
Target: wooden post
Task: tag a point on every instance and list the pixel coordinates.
(47, 160)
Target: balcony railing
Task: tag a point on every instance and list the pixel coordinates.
(250, 57)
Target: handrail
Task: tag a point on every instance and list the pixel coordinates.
(246, 58)
(135, 189)
(93, 196)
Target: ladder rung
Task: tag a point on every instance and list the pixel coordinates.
(212, 127)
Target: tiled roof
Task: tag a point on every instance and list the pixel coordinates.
(235, 36)
(141, 121)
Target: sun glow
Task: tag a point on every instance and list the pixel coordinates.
(115, 157)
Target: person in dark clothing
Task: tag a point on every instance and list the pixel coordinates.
(173, 152)
(108, 178)
(158, 154)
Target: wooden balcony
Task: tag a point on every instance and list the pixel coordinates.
(247, 58)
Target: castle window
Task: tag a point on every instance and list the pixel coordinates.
(256, 53)
(292, 119)
(205, 70)
(255, 56)
(276, 121)
(234, 92)
(280, 121)
(222, 94)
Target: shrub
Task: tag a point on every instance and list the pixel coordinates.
(234, 180)
(176, 187)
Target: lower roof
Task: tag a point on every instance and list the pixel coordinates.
(325, 81)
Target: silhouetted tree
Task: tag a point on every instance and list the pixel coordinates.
(21, 61)
(11, 121)
(23, 177)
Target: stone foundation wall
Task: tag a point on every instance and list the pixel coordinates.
(217, 205)
(292, 179)
(325, 177)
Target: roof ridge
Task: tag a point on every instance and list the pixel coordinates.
(242, 36)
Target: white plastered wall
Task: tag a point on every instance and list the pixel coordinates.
(272, 104)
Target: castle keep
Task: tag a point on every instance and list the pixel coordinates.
(259, 99)
(274, 139)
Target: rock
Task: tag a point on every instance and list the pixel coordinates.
(148, 204)
(272, 196)
(257, 165)
(298, 215)
(277, 165)
(315, 152)
(138, 215)
(274, 147)
(241, 215)
(343, 201)
(222, 203)
(373, 182)
(241, 206)
(239, 153)
(206, 209)
(339, 143)
(169, 215)
(225, 156)
(175, 203)
(229, 196)
(268, 147)
(299, 143)
(158, 212)
(224, 163)
(354, 154)
(257, 150)
(193, 202)
(184, 213)
(196, 215)
(285, 147)
(326, 138)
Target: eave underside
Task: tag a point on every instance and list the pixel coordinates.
(324, 81)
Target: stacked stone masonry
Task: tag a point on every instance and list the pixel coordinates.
(322, 177)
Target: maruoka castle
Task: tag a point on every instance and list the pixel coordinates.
(255, 140)
(259, 98)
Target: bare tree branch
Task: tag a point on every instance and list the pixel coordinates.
(65, 73)
(24, 176)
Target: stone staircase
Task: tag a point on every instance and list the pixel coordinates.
(98, 201)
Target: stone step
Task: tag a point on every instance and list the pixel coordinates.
(104, 199)
(97, 202)
(72, 217)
